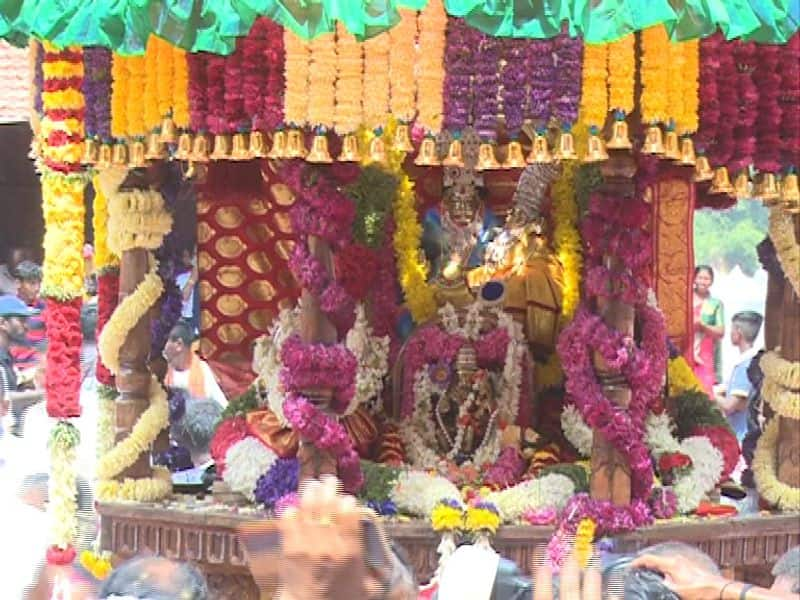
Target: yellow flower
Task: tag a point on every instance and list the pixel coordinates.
(69, 99)
(165, 77)
(430, 66)
(681, 377)
(376, 76)
(584, 536)
(62, 204)
(180, 92)
(402, 41)
(295, 97)
(148, 489)
(446, 518)
(622, 73)
(594, 98)
(482, 519)
(152, 118)
(61, 69)
(674, 61)
(103, 256)
(654, 72)
(135, 106)
(690, 83)
(348, 113)
(98, 565)
(765, 465)
(321, 81)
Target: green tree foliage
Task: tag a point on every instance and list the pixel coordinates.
(726, 238)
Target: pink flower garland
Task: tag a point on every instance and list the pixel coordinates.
(709, 92)
(790, 101)
(235, 116)
(744, 54)
(767, 80)
(729, 111)
(198, 97)
(215, 95)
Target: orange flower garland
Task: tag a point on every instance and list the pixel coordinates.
(402, 39)
(295, 99)
(152, 118)
(622, 74)
(674, 61)
(430, 70)
(134, 105)
(348, 113)
(165, 77)
(690, 83)
(180, 89)
(594, 96)
(119, 96)
(376, 74)
(321, 81)
(654, 73)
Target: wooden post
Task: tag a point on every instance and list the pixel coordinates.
(789, 429)
(611, 474)
(133, 379)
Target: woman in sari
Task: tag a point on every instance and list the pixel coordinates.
(709, 327)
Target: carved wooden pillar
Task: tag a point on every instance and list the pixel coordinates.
(316, 328)
(789, 429)
(133, 380)
(611, 474)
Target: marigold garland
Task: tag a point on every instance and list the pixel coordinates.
(690, 87)
(120, 77)
(594, 98)
(151, 115)
(104, 258)
(674, 63)
(765, 466)
(376, 73)
(165, 77)
(787, 248)
(180, 88)
(62, 203)
(348, 113)
(654, 74)
(295, 98)
(150, 489)
(584, 537)
(402, 41)
(430, 66)
(321, 81)
(622, 73)
(134, 106)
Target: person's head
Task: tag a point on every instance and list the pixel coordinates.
(745, 327)
(179, 345)
(13, 315)
(19, 254)
(155, 578)
(703, 279)
(196, 428)
(787, 572)
(29, 280)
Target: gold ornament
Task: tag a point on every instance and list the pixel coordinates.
(540, 151)
(402, 139)
(168, 133)
(566, 147)
(184, 150)
(377, 151)
(703, 170)
(790, 194)
(620, 139)
(319, 150)
(515, 159)
(672, 149)
(688, 157)
(427, 154)
(455, 157)
(90, 152)
(295, 145)
(155, 148)
(200, 149)
(137, 159)
(350, 151)
(741, 186)
(258, 148)
(654, 141)
(222, 147)
(120, 155)
(240, 150)
(487, 161)
(721, 182)
(278, 149)
(596, 151)
(768, 190)
(104, 157)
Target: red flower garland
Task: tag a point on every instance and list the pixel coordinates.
(107, 297)
(744, 54)
(235, 116)
(725, 441)
(226, 435)
(767, 80)
(215, 95)
(255, 71)
(272, 94)
(729, 111)
(62, 371)
(356, 268)
(790, 101)
(198, 93)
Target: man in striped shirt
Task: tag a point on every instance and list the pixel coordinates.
(27, 350)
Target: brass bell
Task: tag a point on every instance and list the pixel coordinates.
(741, 186)
(514, 157)
(540, 151)
(200, 149)
(155, 148)
(487, 161)
(350, 151)
(295, 145)
(184, 150)
(104, 156)
(672, 147)
(168, 133)
(566, 147)
(653, 141)
(240, 149)
(768, 190)
(455, 156)
(427, 154)
(790, 194)
(258, 149)
(688, 157)
(620, 139)
(222, 147)
(377, 151)
(119, 155)
(137, 158)
(319, 150)
(278, 149)
(596, 151)
(402, 139)
(90, 152)
(721, 182)
(703, 170)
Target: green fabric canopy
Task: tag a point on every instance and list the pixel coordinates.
(214, 25)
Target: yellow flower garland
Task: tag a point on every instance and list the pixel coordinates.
(594, 95)
(103, 256)
(295, 97)
(402, 41)
(348, 113)
(135, 107)
(180, 89)
(430, 66)
(119, 96)
(321, 81)
(681, 377)
(781, 387)
(148, 489)
(165, 77)
(690, 84)
(376, 74)
(654, 72)
(765, 466)
(62, 204)
(584, 537)
(106, 421)
(782, 234)
(674, 62)
(152, 117)
(622, 73)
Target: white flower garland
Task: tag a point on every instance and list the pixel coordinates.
(577, 432)
(781, 388)
(245, 462)
(471, 329)
(372, 354)
(418, 492)
(550, 491)
(61, 490)
(787, 248)
(267, 359)
(765, 466)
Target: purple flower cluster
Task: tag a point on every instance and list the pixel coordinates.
(97, 92)
(567, 85)
(280, 480)
(514, 78)
(540, 71)
(460, 64)
(486, 84)
(663, 503)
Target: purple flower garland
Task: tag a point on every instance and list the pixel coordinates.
(97, 92)
(459, 61)
(487, 80)
(567, 85)
(280, 480)
(514, 77)
(540, 70)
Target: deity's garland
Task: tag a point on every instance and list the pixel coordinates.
(376, 74)
(790, 101)
(767, 79)
(622, 74)
(485, 86)
(236, 119)
(349, 113)
(429, 71)
(689, 79)
(134, 106)
(197, 91)
(540, 73)
(216, 118)
(729, 111)
(513, 84)
(654, 72)
(460, 66)
(152, 117)
(709, 96)
(296, 75)
(567, 86)
(402, 41)
(97, 92)
(180, 89)
(747, 96)
(594, 91)
(321, 81)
